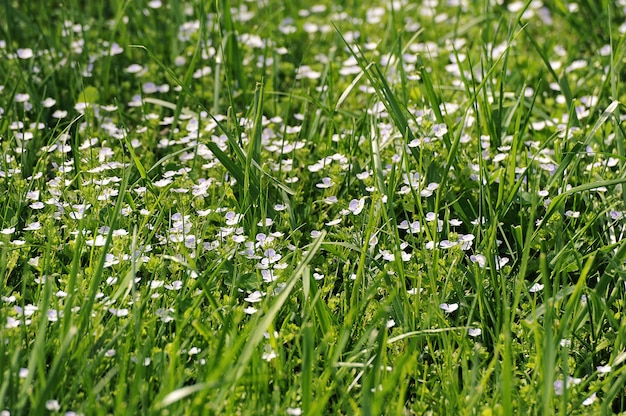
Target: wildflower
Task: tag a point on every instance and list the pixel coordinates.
(356, 206)
(449, 307)
(326, 183)
(232, 218)
(269, 354)
(590, 400)
(53, 405)
(440, 130)
(447, 244)
(25, 53)
(474, 332)
(480, 259)
(255, 297)
(560, 385)
(268, 276)
(250, 310)
(387, 255)
(334, 222)
(501, 262)
(119, 312)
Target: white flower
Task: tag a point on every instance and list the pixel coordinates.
(474, 332)
(53, 405)
(25, 53)
(326, 183)
(356, 206)
(449, 307)
(537, 287)
(589, 400)
(255, 297)
(480, 259)
(250, 310)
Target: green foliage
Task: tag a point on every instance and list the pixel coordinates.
(312, 208)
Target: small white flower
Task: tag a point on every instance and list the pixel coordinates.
(480, 259)
(53, 405)
(255, 297)
(25, 53)
(356, 206)
(589, 400)
(440, 130)
(387, 255)
(334, 222)
(325, 184)
(474, 332)
(269, 354)
(501, 262)
(119, 312)
(449, 307)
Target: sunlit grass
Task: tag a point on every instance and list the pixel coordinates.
(312, 208)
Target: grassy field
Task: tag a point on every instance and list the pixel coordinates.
(312, 208)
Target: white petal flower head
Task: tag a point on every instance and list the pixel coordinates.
(480, 259)
(269, 354)
(387, 255)
(449, 307)
(255, 297)
(501, 262)
(590, 400)
(537, 287)
(474, 332)
(53, 405)
(326, 183)
(25, 53)
(356, 206)
(440, 130)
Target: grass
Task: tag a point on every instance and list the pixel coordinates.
(271, 208)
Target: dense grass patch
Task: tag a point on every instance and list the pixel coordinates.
(408, 207)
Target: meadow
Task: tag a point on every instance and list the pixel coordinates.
(308, 208)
